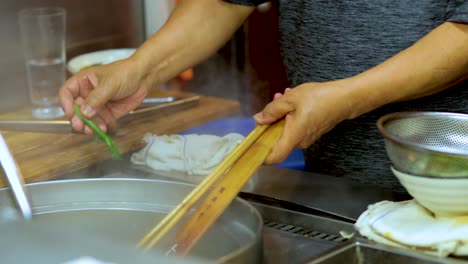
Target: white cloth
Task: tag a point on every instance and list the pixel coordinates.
(409, 225)
(186, 156)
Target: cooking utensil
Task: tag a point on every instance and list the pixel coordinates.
(240, 165)
(122, 210)
(47, 126)
(63, 126)
(427, 143)
(15, 179)
(166, 103)
(159, 100)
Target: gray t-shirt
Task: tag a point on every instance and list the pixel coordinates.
(328, 40)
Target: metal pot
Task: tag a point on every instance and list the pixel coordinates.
(105, 218)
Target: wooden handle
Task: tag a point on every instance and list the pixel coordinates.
(171, 219)
(226, 190)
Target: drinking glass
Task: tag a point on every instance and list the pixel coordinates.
(43, 42)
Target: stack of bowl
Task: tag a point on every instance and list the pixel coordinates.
(429, 153)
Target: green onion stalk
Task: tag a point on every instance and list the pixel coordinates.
(100, 134)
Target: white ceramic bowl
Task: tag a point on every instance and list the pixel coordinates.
(446, 197)
(97, 58)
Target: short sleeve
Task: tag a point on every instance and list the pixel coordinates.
(247, 2)
(459, 12)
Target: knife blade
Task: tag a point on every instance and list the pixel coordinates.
(148, 106)
(48, 126)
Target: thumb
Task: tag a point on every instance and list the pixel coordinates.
(273, 111)
(97, 97)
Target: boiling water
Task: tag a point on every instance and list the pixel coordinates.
(129, 226)
(45, 79)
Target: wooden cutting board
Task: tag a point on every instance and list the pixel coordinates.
(45, 156)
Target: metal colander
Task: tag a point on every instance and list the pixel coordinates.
(427, 143)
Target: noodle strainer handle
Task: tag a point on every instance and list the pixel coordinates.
(15, 179)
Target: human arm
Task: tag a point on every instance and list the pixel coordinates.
(194, 31)
(432, 64)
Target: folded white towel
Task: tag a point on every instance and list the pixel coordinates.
(186, 156)
(409, 225)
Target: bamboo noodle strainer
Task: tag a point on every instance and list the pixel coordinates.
(213, 195)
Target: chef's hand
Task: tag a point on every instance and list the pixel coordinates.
(310, 110)
(103, 93)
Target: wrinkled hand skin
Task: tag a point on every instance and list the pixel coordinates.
(104, 93)
(310, 110)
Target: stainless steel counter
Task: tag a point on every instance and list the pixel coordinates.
(330, 194)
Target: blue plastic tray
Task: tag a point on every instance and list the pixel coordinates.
(243, 126)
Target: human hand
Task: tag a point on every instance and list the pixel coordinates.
(310, 110)
(103, 93)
